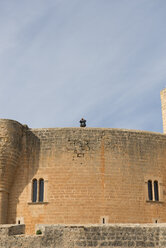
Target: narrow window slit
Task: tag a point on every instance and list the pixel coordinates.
(41, 190)
(156, 192)
(34, 190)
(150, 195)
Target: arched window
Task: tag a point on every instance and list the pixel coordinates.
(41, 190)
(156, 192)
(150, 194)
(34, 190)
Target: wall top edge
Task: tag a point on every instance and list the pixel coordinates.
(9, 120)
(10, 225)
(86, 129)
(98, 129)
(105, 225)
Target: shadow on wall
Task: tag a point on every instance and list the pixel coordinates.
(20, 191)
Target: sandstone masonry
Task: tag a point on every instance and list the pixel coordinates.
(81, 175)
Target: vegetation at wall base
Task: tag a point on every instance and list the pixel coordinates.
(38, 232)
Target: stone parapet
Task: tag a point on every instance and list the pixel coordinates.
(78, 236)
(10, 230)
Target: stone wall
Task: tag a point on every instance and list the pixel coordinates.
(11, 148)
(105, 236)
(10, 230)
(90, 174)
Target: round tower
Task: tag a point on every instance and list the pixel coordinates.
(11, 133)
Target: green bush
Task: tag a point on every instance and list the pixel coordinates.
(38, 232)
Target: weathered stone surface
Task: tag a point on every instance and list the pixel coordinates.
(61, 236)
(89, 173)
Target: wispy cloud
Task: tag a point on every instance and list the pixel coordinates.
(104, 60)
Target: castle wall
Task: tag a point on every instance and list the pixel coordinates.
(89, 236)
(11, 133)
(104, 236)
(20, 193)
(90, 174)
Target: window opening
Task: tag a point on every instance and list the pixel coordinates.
(156, 193)
(19, 222)
(41, 190)
(34, 190)
(103, 220)
(150, 195)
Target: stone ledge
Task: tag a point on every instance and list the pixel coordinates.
(37, 203)
(155, 202)
(9, 230)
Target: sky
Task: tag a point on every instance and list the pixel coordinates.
(104, 60)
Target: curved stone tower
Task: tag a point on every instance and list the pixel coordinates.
(11, 133)
(163, 108)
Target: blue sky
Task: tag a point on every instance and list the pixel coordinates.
(104, 60)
